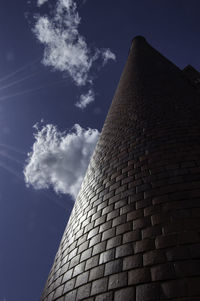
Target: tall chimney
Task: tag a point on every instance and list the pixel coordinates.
(133, 234)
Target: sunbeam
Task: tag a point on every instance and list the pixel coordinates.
(18, 81)
(5, 155)
(12, 74)
(12, 148)
(27, 91)
(12, 171)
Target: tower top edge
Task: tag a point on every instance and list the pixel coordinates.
(136, 41)
(139, 38)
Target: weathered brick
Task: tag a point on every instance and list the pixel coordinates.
(114, 199)
(127, 294)
(124, 250)
(127, 208)
(174, 288)
(187, 237)
(133, 215)
(95, 240)
(96, 216)
(79, 269)
(121, 189)
(178, 253)
(153, 257)
(117, 280)
(113, 267)
(119, 220)
(75, 260)
(121, 203)
(105, 226)
(88, 227)
(72, 254)
(67, 275)
(144, 245)
(71, 296)
(79, 234)
(83, 246)
(99, 248)
(113, 214)
(99, 286)
(160, 218)
(82, 279)
(107, 256)
(104, 297)
(148, 292)
(136, 197)
(142, 188)
(131, 262)
(141, 204)
(96, 273)
(124, 228)
(102, 205)
(194, 287)
(83, 292)
(93, 232)
(108, 233)
(194, 251)
(58, 291)
(100, 220)
(151, 232)
(107, 209)
(137, 276)
(131, 236)
(166, 241)
(81, 239)
(92, 262)
(152, 210)
(64, 268)
(114, 242)
(163, 272)
(59, 299)
(86, 254)
(187, 268)
(69, 285)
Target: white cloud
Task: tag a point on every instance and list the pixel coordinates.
(41, 2)
(64, 48)
(60, 159)
(85, 100)
(107, 55)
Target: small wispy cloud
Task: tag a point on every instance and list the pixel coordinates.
(107, 55)
(65, 49)
(60, 159)
(85, 99)
(41, 2)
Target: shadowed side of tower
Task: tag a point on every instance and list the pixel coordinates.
(134, 231)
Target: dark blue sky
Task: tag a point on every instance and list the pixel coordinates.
(32, 221)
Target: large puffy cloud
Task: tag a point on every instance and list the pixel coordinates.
(60, 159)
(64, 48)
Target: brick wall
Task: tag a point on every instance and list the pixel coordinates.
(133, 234)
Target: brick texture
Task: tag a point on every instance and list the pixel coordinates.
(134, 230)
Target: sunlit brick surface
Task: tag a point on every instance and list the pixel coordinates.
(133, 234)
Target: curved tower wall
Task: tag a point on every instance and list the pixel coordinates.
(133, 234)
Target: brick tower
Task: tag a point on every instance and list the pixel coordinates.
(133, 234)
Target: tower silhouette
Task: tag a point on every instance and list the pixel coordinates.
(133, 234)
